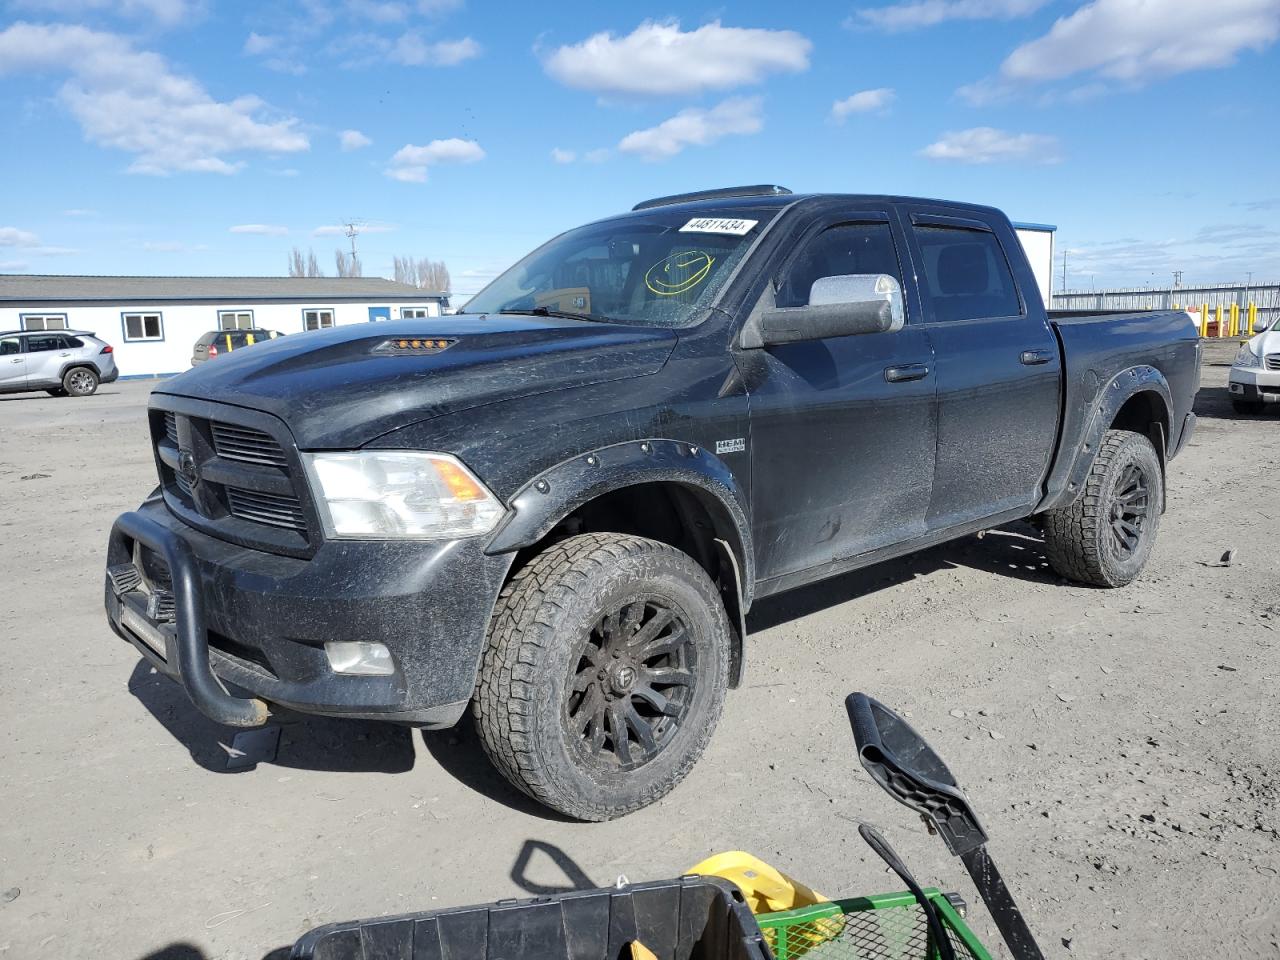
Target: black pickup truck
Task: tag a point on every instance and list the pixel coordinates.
(558, 505)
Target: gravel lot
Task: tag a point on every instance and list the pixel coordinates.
(1120, 744)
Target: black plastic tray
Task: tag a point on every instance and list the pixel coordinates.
(692, 918)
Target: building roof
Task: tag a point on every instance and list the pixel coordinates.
(54, 288)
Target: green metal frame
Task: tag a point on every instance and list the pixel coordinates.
(883, 901)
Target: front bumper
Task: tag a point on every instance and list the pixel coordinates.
(1255, 384)
(243, 630)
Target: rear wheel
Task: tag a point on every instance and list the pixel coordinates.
(1105, 537)
(605, 674)
(80, 382)
(1247, 406)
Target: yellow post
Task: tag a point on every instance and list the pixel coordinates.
(1253, 316)
(1218, 316)
(1235, 320)
(1204, 320)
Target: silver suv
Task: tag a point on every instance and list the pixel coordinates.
(60, 362)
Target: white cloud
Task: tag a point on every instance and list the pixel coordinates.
(563, 156)
(927, 13)
(132, 100)
(165, 12)
(988, 145)
(13, 237)
(1132, 40)
(257, 43)
(412, 51)
(378, 11)
(79, 212)
(695, 127)
(660, 59)
(164, 246)
(864, 101)
(354, 140)
(260, 229)
(410, 162)
(14, 266)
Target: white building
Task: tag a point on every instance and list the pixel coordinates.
(153, 322)
(1037, 241)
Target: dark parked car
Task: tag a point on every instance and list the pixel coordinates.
(60, 362)
(218, 342)
(558, 505)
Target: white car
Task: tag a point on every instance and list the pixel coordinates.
(1255, 376)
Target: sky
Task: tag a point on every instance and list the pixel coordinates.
(189, 137)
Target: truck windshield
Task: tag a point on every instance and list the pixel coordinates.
(654, 270)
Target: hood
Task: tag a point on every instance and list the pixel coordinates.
(335, 392)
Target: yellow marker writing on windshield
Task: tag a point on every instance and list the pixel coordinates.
(678, 273)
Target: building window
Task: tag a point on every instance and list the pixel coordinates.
(44, 321)
(235, 319)
(143, 326)
(415, 313)
(317, 319)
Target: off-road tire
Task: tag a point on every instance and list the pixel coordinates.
(1079, 538)
(57, 392)
(543, 617)
(80, 382)
(1247, 406)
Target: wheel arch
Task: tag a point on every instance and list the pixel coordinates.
(667, 490)
(1138, 399)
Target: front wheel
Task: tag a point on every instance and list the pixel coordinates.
(80, 382)
(604, 676)
(1105, 537)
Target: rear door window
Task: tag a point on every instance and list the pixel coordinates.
(43, 342)
(967, 275)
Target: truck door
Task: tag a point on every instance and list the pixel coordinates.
(842, 428)
(998, 365)
(13, 364)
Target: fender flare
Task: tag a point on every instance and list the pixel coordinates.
(1113, 395)
(546, 499)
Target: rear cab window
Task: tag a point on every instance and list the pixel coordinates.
(966, 273)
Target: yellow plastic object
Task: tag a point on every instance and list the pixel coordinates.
(640, 952)
(767, 889)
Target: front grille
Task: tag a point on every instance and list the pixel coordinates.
(248, 485)
(247, 445)
(1273, 361)
(268, 508)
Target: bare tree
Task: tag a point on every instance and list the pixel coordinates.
(297, 267)
(433, 275)
(348, 264)
(313, 265)
(405, 270)
(425, 273)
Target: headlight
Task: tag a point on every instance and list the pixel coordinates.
(392, 494)
(1247, 358)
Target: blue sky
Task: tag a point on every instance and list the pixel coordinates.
(196, 137)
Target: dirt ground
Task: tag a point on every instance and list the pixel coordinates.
(1121, 745)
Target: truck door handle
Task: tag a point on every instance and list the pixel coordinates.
(16, 360)
(1032, 358)
(906, 372)
(64, 354)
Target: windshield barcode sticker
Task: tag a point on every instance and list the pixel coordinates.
(734, 228)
